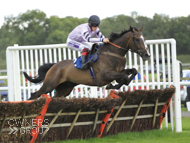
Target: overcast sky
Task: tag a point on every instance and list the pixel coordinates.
(102, 8)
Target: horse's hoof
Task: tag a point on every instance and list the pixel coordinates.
(31, 98)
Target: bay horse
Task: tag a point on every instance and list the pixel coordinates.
(110, 66)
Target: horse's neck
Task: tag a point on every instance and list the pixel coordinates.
(122, 42)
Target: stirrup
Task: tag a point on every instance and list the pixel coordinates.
(86, 65)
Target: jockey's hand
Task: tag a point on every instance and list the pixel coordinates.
(105, 40)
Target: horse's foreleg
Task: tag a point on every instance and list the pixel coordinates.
(110, 86)
(112, 75)
(132, 72)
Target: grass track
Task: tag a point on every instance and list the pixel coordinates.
(152, 136)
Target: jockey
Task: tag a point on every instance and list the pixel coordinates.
(79, 39)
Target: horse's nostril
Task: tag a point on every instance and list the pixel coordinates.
(147, 55)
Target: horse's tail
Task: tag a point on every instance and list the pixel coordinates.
(41, 73)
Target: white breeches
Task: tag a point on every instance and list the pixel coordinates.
(74, 45)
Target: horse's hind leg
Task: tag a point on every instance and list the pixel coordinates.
(50, 83)
(64, 89)
(46, 88)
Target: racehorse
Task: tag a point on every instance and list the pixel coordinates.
(110, 66)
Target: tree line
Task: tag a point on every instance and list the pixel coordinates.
(34, 28)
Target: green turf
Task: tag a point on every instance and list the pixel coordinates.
(152, 136)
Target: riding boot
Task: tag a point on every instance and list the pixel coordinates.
(83, 58)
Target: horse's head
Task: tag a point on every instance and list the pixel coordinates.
(137, 44)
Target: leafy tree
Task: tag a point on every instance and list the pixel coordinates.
(144, 22)
(59, 28)
(159, 27)
(7, 36)
(25, 29)
(116, 24)
(34, 28)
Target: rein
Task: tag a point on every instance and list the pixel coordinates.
(117, 46)
(114, 45)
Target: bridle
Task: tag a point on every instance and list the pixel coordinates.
(133, 39)
(137, 50)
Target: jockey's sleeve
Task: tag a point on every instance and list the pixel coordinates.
(86, 36)
(100, 35)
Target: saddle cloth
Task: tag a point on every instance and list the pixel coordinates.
(78, 61)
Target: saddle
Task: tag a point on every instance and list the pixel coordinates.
(92, 56)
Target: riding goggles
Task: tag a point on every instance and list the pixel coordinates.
(94, 24)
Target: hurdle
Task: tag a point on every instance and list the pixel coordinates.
(82, 118)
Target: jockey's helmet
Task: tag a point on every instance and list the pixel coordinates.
(94, 20)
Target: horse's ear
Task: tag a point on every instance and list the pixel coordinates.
(141, 29)
(131, 29)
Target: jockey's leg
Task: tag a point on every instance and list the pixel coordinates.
(77, 46)
(83, 47)
(73, 45)
(83, 58)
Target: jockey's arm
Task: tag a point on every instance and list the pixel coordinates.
(100, 35)
(100, 38)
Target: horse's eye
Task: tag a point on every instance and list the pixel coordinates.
(137, 40)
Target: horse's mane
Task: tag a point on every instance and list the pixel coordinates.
(113, 36)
